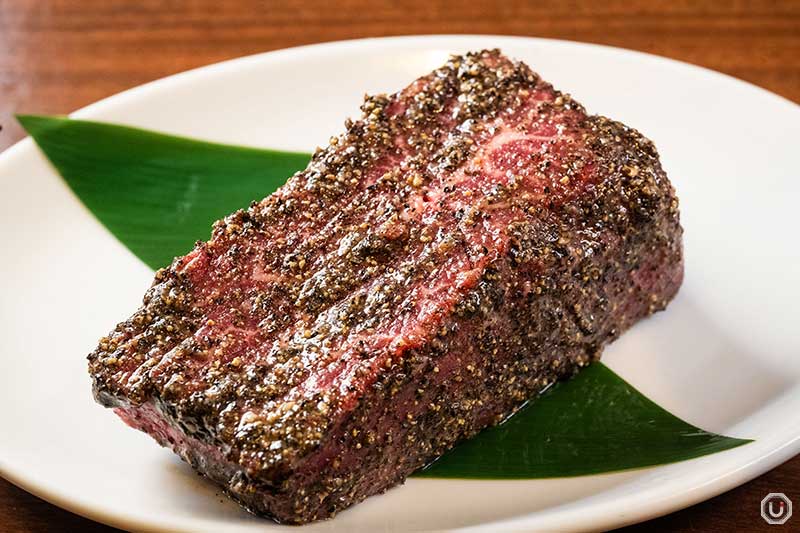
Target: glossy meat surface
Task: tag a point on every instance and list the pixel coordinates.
(468, 241)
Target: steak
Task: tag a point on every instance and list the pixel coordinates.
(467, 242)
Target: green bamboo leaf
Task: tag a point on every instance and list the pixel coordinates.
(158, 194)
(595, 422)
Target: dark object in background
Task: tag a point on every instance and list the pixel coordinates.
(469, 241)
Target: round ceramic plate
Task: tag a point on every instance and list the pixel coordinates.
(724, 356)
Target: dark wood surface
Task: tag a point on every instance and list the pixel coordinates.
(57, 56)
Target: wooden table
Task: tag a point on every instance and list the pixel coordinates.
(56, 56)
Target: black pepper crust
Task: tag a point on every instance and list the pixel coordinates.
(468, 241)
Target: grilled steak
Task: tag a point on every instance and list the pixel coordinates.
(467, 242)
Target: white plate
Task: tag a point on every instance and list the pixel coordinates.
(724, 356)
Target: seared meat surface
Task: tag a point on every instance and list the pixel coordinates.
(465, 243)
